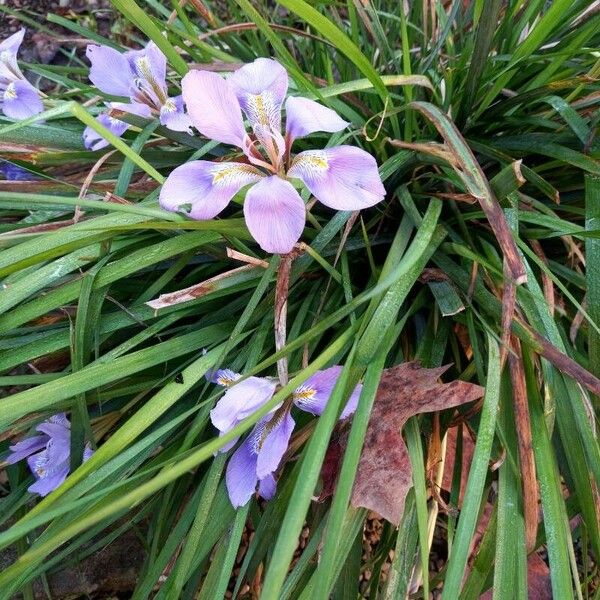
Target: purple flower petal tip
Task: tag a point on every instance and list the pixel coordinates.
(275, 214)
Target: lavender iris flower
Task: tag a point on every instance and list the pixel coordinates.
(141, 76)
(48, 454)
(260, 454)
(342, 177)
(18, 98)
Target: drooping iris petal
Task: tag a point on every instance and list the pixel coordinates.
(21, 100)
(51, 479)
(267, 487)
(313, 395)
(273, 444)
(261, 87)
(25, 448)
(9, 68)
(213, 107)
(149, 64)
(343, 177)
(240, 401)
(92, 140)
(206, 186)
(275, 214)
(173, 115)
(110, 71)
(240, 477)
(304, 116)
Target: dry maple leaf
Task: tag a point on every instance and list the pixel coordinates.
(384, 473)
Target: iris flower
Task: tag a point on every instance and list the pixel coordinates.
(141, 76)
(342, 177)
(18, 98)
(259, 455)
(48, 454)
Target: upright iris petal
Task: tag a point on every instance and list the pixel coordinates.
(304, 116)
(9, 68)
(110, 71)
(213, 107)
(342, 177)
(260, 88)
(206, 187)
(149, 64)
(275, 214)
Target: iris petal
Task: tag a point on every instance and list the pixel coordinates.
(274, 444)
(206, 186)
(260, 88)
(241, 400)
(343, 177)
(213, 107)
(9, 68)
(26, 447)
(149, 64)
(21, 100)
(275, 214)
(240, 477)
(44, 485)
(267, 487)
(304, 116)
(110, 71)
(313, 395)
(173, 116)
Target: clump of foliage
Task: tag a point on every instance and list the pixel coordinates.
(484, 255)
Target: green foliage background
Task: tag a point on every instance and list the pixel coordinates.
(519, 80)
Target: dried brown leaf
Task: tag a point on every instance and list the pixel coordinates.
(384, 473)
(194, 291)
